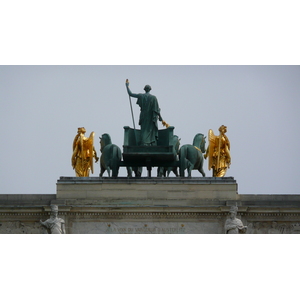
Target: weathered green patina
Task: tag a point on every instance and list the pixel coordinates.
(165, 171)
(150, 147)
(150, 113)
(191, 157)
(161, 155)
(111, 156)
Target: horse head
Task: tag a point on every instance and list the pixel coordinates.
(104, 141)
(199, 141)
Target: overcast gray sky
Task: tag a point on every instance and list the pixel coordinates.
(42, 107)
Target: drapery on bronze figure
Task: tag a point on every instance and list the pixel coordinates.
(150, 112)
(218, 152)
(83, 153)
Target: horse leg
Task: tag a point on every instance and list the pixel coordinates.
(116, 158)
(102, 171)
(172, 169)
(189, 159)
(183, 167)
(115, 168)
(167, 174)
(129, 172)
(182, 161)
(115, 172)
(175, 171)
(190, 167)
(108, 171)
(200, 169)
(138, 171)
(160, 171)
(168, 171)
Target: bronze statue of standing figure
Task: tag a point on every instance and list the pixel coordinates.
(150, 112)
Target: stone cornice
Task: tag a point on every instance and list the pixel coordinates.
(147, 214)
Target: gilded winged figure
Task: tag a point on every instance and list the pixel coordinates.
(218, 152)
(83, 153)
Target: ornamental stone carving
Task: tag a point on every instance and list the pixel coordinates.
(54, 224)
(234, 225)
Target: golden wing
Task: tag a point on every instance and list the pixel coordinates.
(75, 149)
(75, 141)
(90, 149)
(213, 142)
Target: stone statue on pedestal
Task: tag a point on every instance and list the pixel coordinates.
(233, 224)
(54, 225)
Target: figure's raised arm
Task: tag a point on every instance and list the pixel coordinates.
(129, 91)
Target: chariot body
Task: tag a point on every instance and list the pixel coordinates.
(164, 154)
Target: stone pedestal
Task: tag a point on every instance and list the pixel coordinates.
(168, 192)
(142, 205)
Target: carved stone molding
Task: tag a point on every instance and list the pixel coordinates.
(273, 227)
(21, 227)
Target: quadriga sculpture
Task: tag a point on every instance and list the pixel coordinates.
(191, 157)
(111, 156)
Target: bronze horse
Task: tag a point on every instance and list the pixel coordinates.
(111, 156)
(190, 156)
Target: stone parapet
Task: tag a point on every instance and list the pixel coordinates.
(145, 192)
(23, 200)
